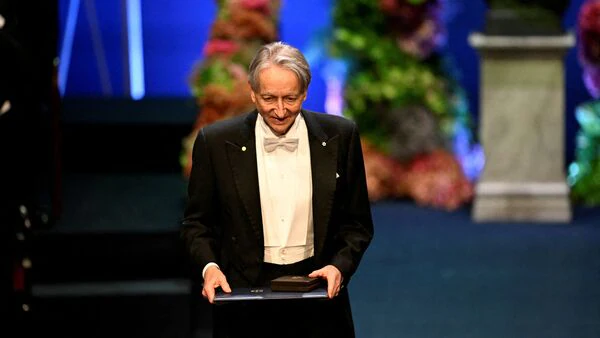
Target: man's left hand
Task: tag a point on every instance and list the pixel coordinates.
(334, 279)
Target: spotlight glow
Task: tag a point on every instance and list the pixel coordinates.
(67, 45)
(136, 49)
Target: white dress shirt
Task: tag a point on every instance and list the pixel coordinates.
(285, 185)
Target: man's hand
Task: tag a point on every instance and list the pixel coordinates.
(334, 279)
(214, 278)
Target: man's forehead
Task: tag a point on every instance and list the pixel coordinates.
(264, 92)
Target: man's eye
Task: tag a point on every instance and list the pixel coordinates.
(268, 98)
(291, 99)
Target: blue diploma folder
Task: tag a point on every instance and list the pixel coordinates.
(245, 294)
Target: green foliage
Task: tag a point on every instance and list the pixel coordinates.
(214, 72)
(584, 172)
(381, 75)
(359, 15)
(586, 189)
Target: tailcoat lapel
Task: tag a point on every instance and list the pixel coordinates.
(242, 158)
(323, 157)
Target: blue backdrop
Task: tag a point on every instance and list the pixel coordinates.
(174, 33)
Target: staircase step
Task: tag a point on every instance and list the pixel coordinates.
(114, 288)
(144, 308)
(122, 135)
(78, 257)
(114, 227)
(154, 315)
(114, 148)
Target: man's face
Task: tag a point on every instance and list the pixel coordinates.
(279, 98)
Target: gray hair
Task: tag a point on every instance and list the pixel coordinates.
(282, 55)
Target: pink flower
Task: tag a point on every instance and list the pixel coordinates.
(436, 179)
(424, 40)
(217, 46)
(388, 5)
(589, 32)
(405, 17)
(238, 72)
(589, 45)
(591, 79)
(262, 6)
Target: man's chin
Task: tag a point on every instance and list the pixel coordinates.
(280, 129)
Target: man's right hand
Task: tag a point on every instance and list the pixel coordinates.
(214, 278)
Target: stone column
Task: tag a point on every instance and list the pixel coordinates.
(522, 129)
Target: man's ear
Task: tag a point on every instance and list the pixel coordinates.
(252, 96)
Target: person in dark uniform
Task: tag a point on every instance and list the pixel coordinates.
(28, 32)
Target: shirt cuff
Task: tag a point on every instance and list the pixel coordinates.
(208, 266)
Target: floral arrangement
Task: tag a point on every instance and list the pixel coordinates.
(401, 92)
(588, 33)
(220, 81)
(584, 172)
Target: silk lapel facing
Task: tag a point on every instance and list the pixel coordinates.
(242, 159)
(323, 157)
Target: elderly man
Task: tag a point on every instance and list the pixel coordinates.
(274, 192)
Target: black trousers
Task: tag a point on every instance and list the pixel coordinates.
(306, 318)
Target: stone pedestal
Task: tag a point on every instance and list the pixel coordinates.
(522, 129)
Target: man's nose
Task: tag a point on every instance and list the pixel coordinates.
(280, 111)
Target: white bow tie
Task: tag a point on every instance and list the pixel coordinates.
(271, 143)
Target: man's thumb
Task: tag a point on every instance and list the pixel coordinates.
(225, 287)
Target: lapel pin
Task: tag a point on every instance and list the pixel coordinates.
(244, 148)
(323, 144)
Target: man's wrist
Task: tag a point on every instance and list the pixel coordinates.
(208, 266)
